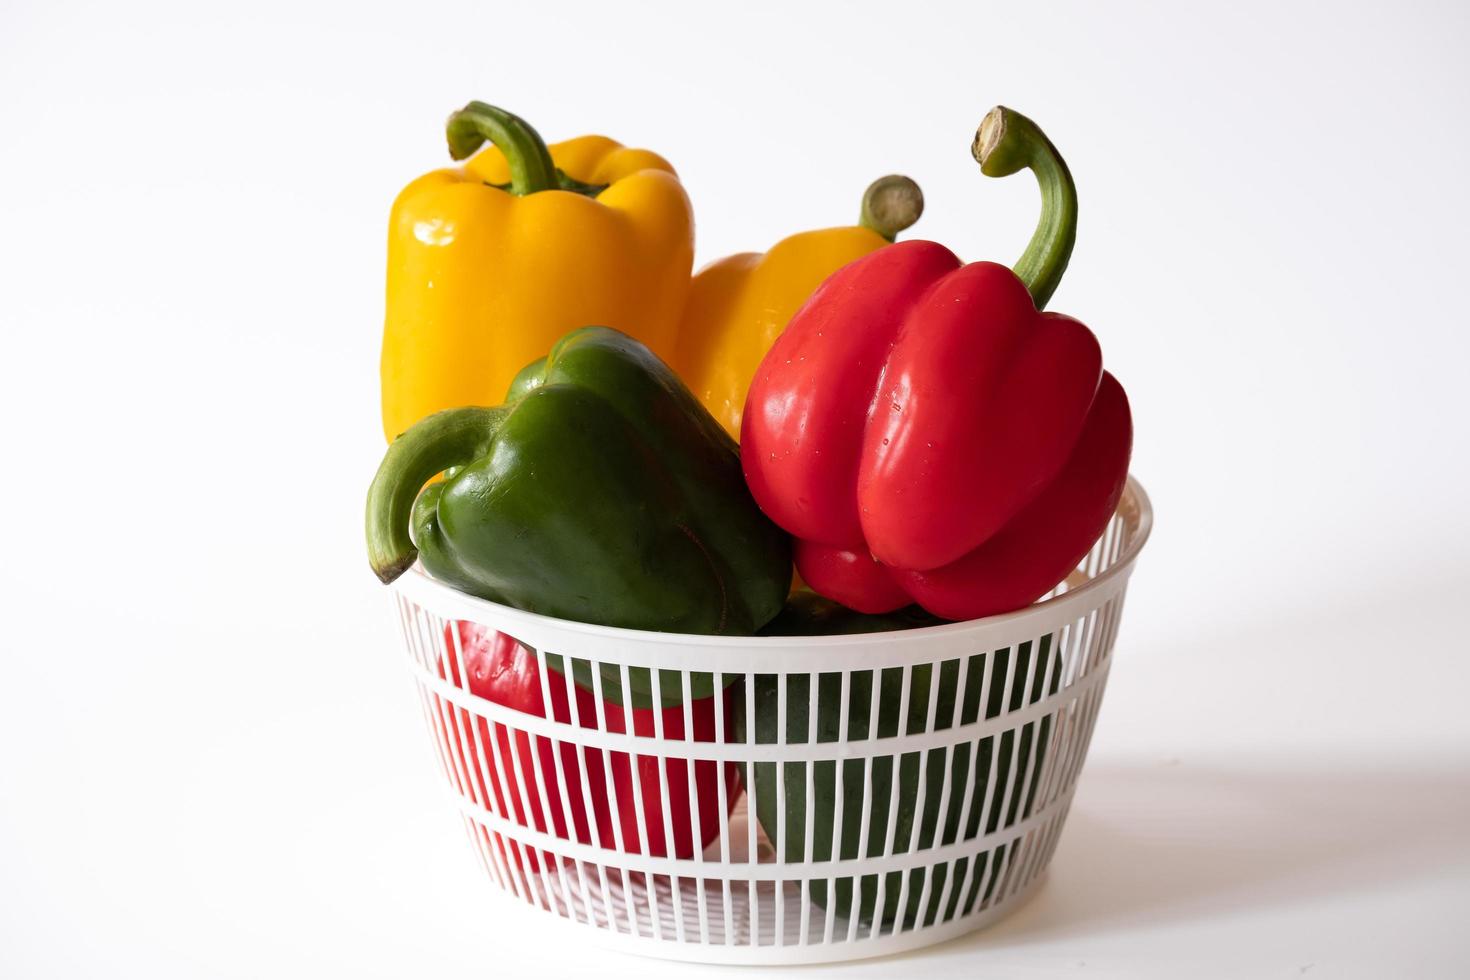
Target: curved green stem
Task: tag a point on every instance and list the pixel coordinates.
(433, 444)
(531, 169)
(891, 204)
(1007, 142)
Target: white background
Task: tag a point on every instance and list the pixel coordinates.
(211, 762)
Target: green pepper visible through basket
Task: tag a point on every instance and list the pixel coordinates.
(1011, 798)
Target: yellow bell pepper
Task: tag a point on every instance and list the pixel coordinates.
(740, 304)
(491, 262)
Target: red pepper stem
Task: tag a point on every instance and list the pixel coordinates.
(891, 204)
(432, 445)
(1008, 142)
(531, 169)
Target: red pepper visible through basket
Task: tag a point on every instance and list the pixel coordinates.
(504, 671)
(926, 434)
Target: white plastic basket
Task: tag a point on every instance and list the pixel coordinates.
(572, 814)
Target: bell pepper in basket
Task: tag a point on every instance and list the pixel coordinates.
(739, 305)
(926, 434)
(491, 262)
(504, 671)
(919, 817)
(600, 492)
(993, 783)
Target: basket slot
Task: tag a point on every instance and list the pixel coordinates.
(1086, 642)
(1045, 686)
(840, 779)
(558, 777)
(1068, 636)
(1065, 736)
(992, 865)
(1096, 625)
(781, 837)
(606, 757)
(921, 828)
(1109, 538)
(1119, 534)
(661, 774)
(1042, 840)
(813, 687)
(698, 801)
(462, 749)
(752, 794)
(436, 740)
(1056, 738)
(1045, 834)
(1026, 744)
(643, 841)
(1115, 617)
(584, 766)
(640, 842)
(1079, 722)
(435, 708)
(1073, 729)
(949, 755)
(726, 831)
(1004, 801)
(1005, 872)
(1110, 615)
(857, 727)
(895, 767)
(966, 760)
(1084, 738)
(1078, 716)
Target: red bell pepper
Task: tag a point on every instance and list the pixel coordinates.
(926, 434)
(504, 671)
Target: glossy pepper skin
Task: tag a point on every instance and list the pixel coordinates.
(970, 810)
(600, 492)
(491, 262)
(926, 434)
(505, 671)
(738, 305)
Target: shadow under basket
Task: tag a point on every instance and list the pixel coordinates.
(769, 799)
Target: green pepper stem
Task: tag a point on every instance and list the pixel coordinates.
(891, 204)
(1006, 143)
(433, 444)
(531, 169)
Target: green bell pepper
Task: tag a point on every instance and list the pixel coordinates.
(964, 763)
(602, 491)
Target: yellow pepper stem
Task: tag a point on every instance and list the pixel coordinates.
(531, 169)
(891, 204)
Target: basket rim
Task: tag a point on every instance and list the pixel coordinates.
(418, 581)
